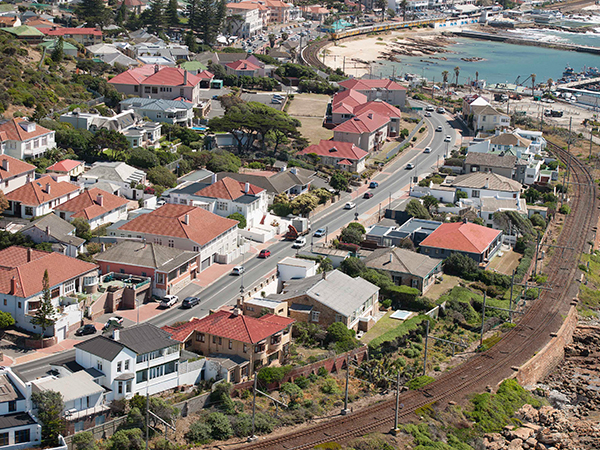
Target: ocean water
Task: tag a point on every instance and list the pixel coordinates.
(503, 62)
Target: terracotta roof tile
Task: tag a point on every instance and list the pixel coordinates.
(464, 237)
(228, 188)
(15, 132)
(242, 64)
(64, 166)
(345, 150)
(15, 167)
(384, 83)
(379, 107)
(367, 122)
(35, 193)
(72, 31)
(86, 204)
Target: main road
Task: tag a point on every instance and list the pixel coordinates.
(226, 289)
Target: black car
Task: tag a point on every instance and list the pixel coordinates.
(190, 302)
(85, 330)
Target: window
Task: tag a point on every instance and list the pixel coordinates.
(127, 364)
(475, 193)
(200, 337)
(245, 348)
(54, 293)
(214, 339)
(154, 90)
(100, 419)
(28, 211)
(79, 426)
(147, 90)
(259, 348)
(3, 439)
(171, 243)
(144, 274)
(69, 286)
(160, 278)
(19, 305)
(12, 406)
(315, 316)
(221, 206)
(136, 88)
(120, 388)
(415, 283)
(4, 302)
(339, 318)
(230, 345)
(196, 248)
(99, 365)
(119, 366)
(22, 436)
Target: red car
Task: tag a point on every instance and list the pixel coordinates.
(264, 253)
(368, 195)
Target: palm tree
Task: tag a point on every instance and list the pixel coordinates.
(445, 74)
(457, 73)
(550, 82)
(476, 78)
(403, 5)
(532, 83)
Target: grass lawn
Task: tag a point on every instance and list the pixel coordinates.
(506, 263)
(439, 289)
(308, 105)
(312, 129)
(383, 325)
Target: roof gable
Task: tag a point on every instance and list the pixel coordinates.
(366, 122)
(87, 204)
(465, 237)
(41, 191)
(229, 189)
(335, 149)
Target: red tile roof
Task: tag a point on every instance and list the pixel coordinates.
(336, 149)
(344, 102)
(345, 162)
(165, 76)
(86, 204)
(242, 5)
(132, 3)
(242, 64)
(229, 189)
(228, 325)
(27, 266)
(134, 76)
(35, 193)
(71, 31)
(15, 132)
(64, 166)
(367, 122)
(379, 107)
(362, 85)
(464, 237)
(206, 75)
(169, 220)
(15, 167)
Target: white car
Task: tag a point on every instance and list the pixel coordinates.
(410, 166)
(447, 138)
(169, 301)
(429, 108)
(350, 205)
(238, 270)
(299, 243)
(427, 114)
(439, 128)
(427, 150)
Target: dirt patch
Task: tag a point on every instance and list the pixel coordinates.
(312, 129)
(308, 105)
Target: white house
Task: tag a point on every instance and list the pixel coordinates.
(22, 139)
(179, 112)
(486, 118)
(368, 131)
(250, 21)
(40, 197)
(60, 233)
(479, 185)
(95, 206)
(116, 173)
(294, 269)
(14, 173)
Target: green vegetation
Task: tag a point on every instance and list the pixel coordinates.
(240, 218)
(419, 382)
(400, 331)
(417, 210)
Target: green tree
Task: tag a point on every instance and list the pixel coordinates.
(240, 218)
(220, 426)
(223, 161)
(82, 228)
(430, 202)
(93, 12)
(49, 405)
(143, 158)
(162, 176)
(340, 337)
(110, 139)
(303, 204)
(126, 440)
(281, 205)
(326, 265)
(272, 40)
(84, 441)
(58, 53)
(352, 266)
(284, 37)
(339, 181)
(292, 391)
(6, 320)
(532, 195)
(461, 194)
(357, 226)
(199, 433)
(456, 74)
(156, 16)
(417, 210)
(445, 74)
(351, 236)
(44, 315)
(171, 15)
(459, 265)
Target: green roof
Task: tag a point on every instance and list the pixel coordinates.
(51, 44)
(7, 7)
(24, 31)
(193, 65)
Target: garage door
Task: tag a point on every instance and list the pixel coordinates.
(62, 333)
(206, 263)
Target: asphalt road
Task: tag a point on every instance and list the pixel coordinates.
(225, 290)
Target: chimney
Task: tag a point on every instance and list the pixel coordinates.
(294, 171)
(246, 187)
(100, 199)
(324, 277)
(236, 311)
(370, 116)
(186, 219)
(5, 164)
(487, 183)
(47, 188)
(185, 77)
(13, 285)
(391, 257)
(29, 254)
(47, 231)
(115, 335)
(465, 220)
(214, 178)
(156, 68)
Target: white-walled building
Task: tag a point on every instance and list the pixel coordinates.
(368, 131)
(14, 173)
(60, 233)
(22, 139)
(95, 206)
(251, 21)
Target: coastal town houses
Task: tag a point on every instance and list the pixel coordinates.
(176, 112)
(94, 121)
(40, 197)
(377, 89)
(142, 359)
(68, 167)
(118, 174)
(23, 139)
(475, 241)
(248, 342)
(83, 36)
(170, 269)
(58, 232)
(168, 83)
(95, 206)
(18, 428)
(367, 131)
(185, 228)
(331, 297)
(21, 287)
(481, 116)
(14, 173)
(223, 197)
(503, 165)
(244, 19)
(340, 155)
(242, 68)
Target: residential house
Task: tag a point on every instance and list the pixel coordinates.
(14, 173)
(224, 58)
(470, 101)
(510, 142)
(9, 22)
(83, 36)
(331, 297)
(367, 131)
(143, 135)
(478, 185)
(116, 173)
(257, 342)
(490, 163)
(111, 54)
(22, 139)
(343, 156)
(168, 83)
(69, 167)
(25, 33)
(185, 228)
(94, 122)
(18, 429)
(223, 197)
(257, 307)
(135, 6)
(60, 233)
(383, 109)
(279, 10)
(316, 13)
(490, 205)
(394, 235)
(377, 89)
(142, 359)
(178, 112)
(194, 67)
(295, 269)
(173, 52)
(21, 290)
(95, 206)
(170, 269)
(475, 241)
(40, 197)
(487, 118)
(538, 143)
(242, 68)
(343, 104)
(68, 48)
(406, 267)
(245, 19)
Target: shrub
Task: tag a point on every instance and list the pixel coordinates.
(386, 303)
(322, 372)
(273, 374)
(419, 382)
(293, 391)
(242, 425)
(199, 433)
(330, 386)
(220, 427)
(240, 218)
(84, 441)
(222, 397)
(302, 382)
(564, 209)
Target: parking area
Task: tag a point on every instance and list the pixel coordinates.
(266, 98)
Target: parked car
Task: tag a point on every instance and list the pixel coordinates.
(238, 270)
(429, 108)
(427, 150)
(441, 110)
(439, 128)
(169, 301)
(368, 195)
(427, 114)
(85, 330)
(264, 253)
(299, 243)
(448, 138)
(116, 321)
(190, 302)
(373, 184)
(410, 166)
(320, 232)
(350, 205)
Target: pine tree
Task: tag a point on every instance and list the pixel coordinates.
(58, 53)
(122, 14)
(206, 21)
(172, 18)
(44, 315)
(156, 17)
(93, 12)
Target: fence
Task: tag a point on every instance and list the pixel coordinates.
(102, 431)
(396, 149)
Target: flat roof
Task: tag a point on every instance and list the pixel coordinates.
(262, 302)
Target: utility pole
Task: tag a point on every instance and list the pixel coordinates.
(396, 429)
(482, 320)
(346, 410)
(512, 282)
(591, 129)
(537, 249)
(147, 418)
(425, 356)
(253, 436)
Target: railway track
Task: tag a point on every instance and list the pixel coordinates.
(310, 54)
(544, 317)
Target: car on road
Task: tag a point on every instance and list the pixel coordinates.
(427, 150)
(441, 110)
(85, 330)
(439, 128)
(447, 138)
(373, 184)
(116, 321)
(368, 195)
(350, 205)
(190, 302)
(429, 108)
(169, 301)
(410, 166)
(238, 270)
(215, 97)
(264, 253)
(299, 243)
(320, 232)
(427, 114)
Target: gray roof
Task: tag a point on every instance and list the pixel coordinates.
(8, 391)
(491, 160)
(275, 184)
(224, 58)
(155, 104)
(196, 175)
(115, 171)
(58, 228)
(298, 262)
(118, 58)
(336, 290)
(16, 420)
(481, 180)
(492, 204)
(101, 346)
(300, 308)
(73, 386)
(228, 361)
(146, 255)
(400, 260)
